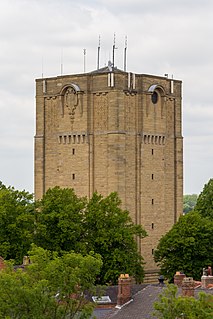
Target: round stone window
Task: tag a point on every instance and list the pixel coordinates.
(154, 97)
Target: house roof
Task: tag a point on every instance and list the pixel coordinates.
(141, 306)
(112, 292)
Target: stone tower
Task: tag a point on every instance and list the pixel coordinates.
(108, 131)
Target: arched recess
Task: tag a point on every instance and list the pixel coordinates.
(157, 96)
(70, 97)
(155, 90)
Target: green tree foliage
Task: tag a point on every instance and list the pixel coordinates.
(189, 202)
(63, 222)
(51, 287)
(187, 247)
(66, 222)
(204, 205)
(170, 306)
(16, 223)
(110, 232)
(59, 221)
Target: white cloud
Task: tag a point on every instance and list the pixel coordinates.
(164, 36)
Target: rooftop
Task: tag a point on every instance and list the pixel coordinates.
(141, 305)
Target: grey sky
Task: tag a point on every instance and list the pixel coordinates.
(164, 36)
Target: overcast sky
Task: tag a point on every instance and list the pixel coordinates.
(164, 36)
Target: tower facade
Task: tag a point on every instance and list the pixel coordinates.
(109, 131)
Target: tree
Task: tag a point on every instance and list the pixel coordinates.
(65, 222)
(189, 202)
(171, 306)
(59, 221)
(16, 223)
(187, 247)
(51, 287)
(110, 232)
(204, 205)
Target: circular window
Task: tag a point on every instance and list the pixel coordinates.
(154, 97)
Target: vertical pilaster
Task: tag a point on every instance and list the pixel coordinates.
(39, 152)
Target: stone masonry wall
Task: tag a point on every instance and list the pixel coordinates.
(98, 133)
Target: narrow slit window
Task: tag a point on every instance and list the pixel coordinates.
(152, 176)
(152, 151)
(152, 251)
(152, 201)
(152, 225)
(73, 151)
(73, 176)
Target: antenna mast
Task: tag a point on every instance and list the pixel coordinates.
(84, 50)
(125, 49)
(113, 53)
(99, 47)
(42, 67)
(61, 61)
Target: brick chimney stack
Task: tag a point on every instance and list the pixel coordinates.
(26, 260)
(207, 278)
(124, 289)
(178, 278)
(188, 287)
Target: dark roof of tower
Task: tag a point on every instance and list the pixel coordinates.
(108, 68)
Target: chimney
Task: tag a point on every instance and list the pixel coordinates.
(26, 260)
(188, 287)
(124, 289)
(206, 281)
(207, 278)
(2, 264)
(178, 278)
